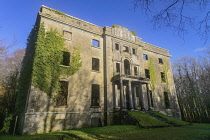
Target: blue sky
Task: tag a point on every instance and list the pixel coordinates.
(17, 17)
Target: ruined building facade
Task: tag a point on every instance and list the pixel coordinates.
(119, 72)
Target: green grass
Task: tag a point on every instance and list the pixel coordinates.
(146, 120)
(170, 119)
(123, 132)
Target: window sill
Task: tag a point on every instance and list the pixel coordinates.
(96, 47)
(64, 66)
(96, 71)
(95, 106)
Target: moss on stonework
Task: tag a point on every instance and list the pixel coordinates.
(153, 74)
(133, 33)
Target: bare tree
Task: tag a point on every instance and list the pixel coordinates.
(181, 15)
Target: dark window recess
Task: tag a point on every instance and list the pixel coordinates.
(126, 49)
(117, 47)
(163, 77)
(95, 43)
(67, 35)
(95, 64)
(66, 58)
(166, 99)
(95, 100)
(137, 91)
(151, 99)
(145, 57)
(117, 67)
(61, 99)
(147, 75)
(134, 51)
(127, 67)
(160, 60)
(135, 70)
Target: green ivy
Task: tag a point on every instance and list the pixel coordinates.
(165, 71)
(153, 74)
(133, 33)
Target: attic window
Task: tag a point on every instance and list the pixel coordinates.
(160, 60)
(67, 35)
(95, 43)
(126, 49)
(66, 58)
(145, 56)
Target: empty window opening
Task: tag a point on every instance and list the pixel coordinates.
(95, 64)
(135, 70)
(147, 75)
(151, 98)
(95, 43)
(117, 67)
(160, 60)
(137, 91)
(61, 99)
(163, 77)
(145, 57)
(117, 47)
(127, 67)
(67, 35)
(166, 99)
(95, 100)
(126, 49)
(134, 50)
(66, 59)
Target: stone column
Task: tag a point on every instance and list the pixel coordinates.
(148, 97)
(134, 97)
(122, 104)
(116, 95)
(141, 97)
(130, 95)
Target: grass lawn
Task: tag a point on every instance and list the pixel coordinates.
(193, 132)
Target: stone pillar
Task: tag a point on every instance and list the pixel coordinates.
(130, 95)
(122, 104)
(148, 97)
(134, 97)
(116, 96)
(141, 97)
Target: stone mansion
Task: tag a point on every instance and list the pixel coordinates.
(118, 72)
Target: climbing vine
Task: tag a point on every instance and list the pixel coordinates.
(47, 61)
(153, 74)
(165, 70)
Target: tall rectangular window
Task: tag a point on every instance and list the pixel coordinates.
(66, 59)
(145, 57)
(95, 43)
(163, 77)
(126, 49)
(134, 50)
(95, 96)
(61, 99)
(147, 75)
(166, 99)
(135, 70)
(95, 64)
(117, 67)
(117, 47)
(160, 60)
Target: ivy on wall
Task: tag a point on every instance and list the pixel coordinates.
(153, 74)
(165, 70)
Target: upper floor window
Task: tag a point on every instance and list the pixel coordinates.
(95, 43)
(145, 56)
(126, 49)
(134, 50)
(163, 77)
(117, 47)
(135, 70)
(61, 99)
(95, 64)
(95, 96)
(160, 60)
(147, 75)
(127, 67)
(67, 35)
(117, 67)
(66, 59)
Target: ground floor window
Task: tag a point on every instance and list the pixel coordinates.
(95, 97)
(61, 99)
(166, 99)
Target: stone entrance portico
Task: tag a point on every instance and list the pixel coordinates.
(129, 94)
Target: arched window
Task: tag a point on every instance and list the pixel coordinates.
(127, 67)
